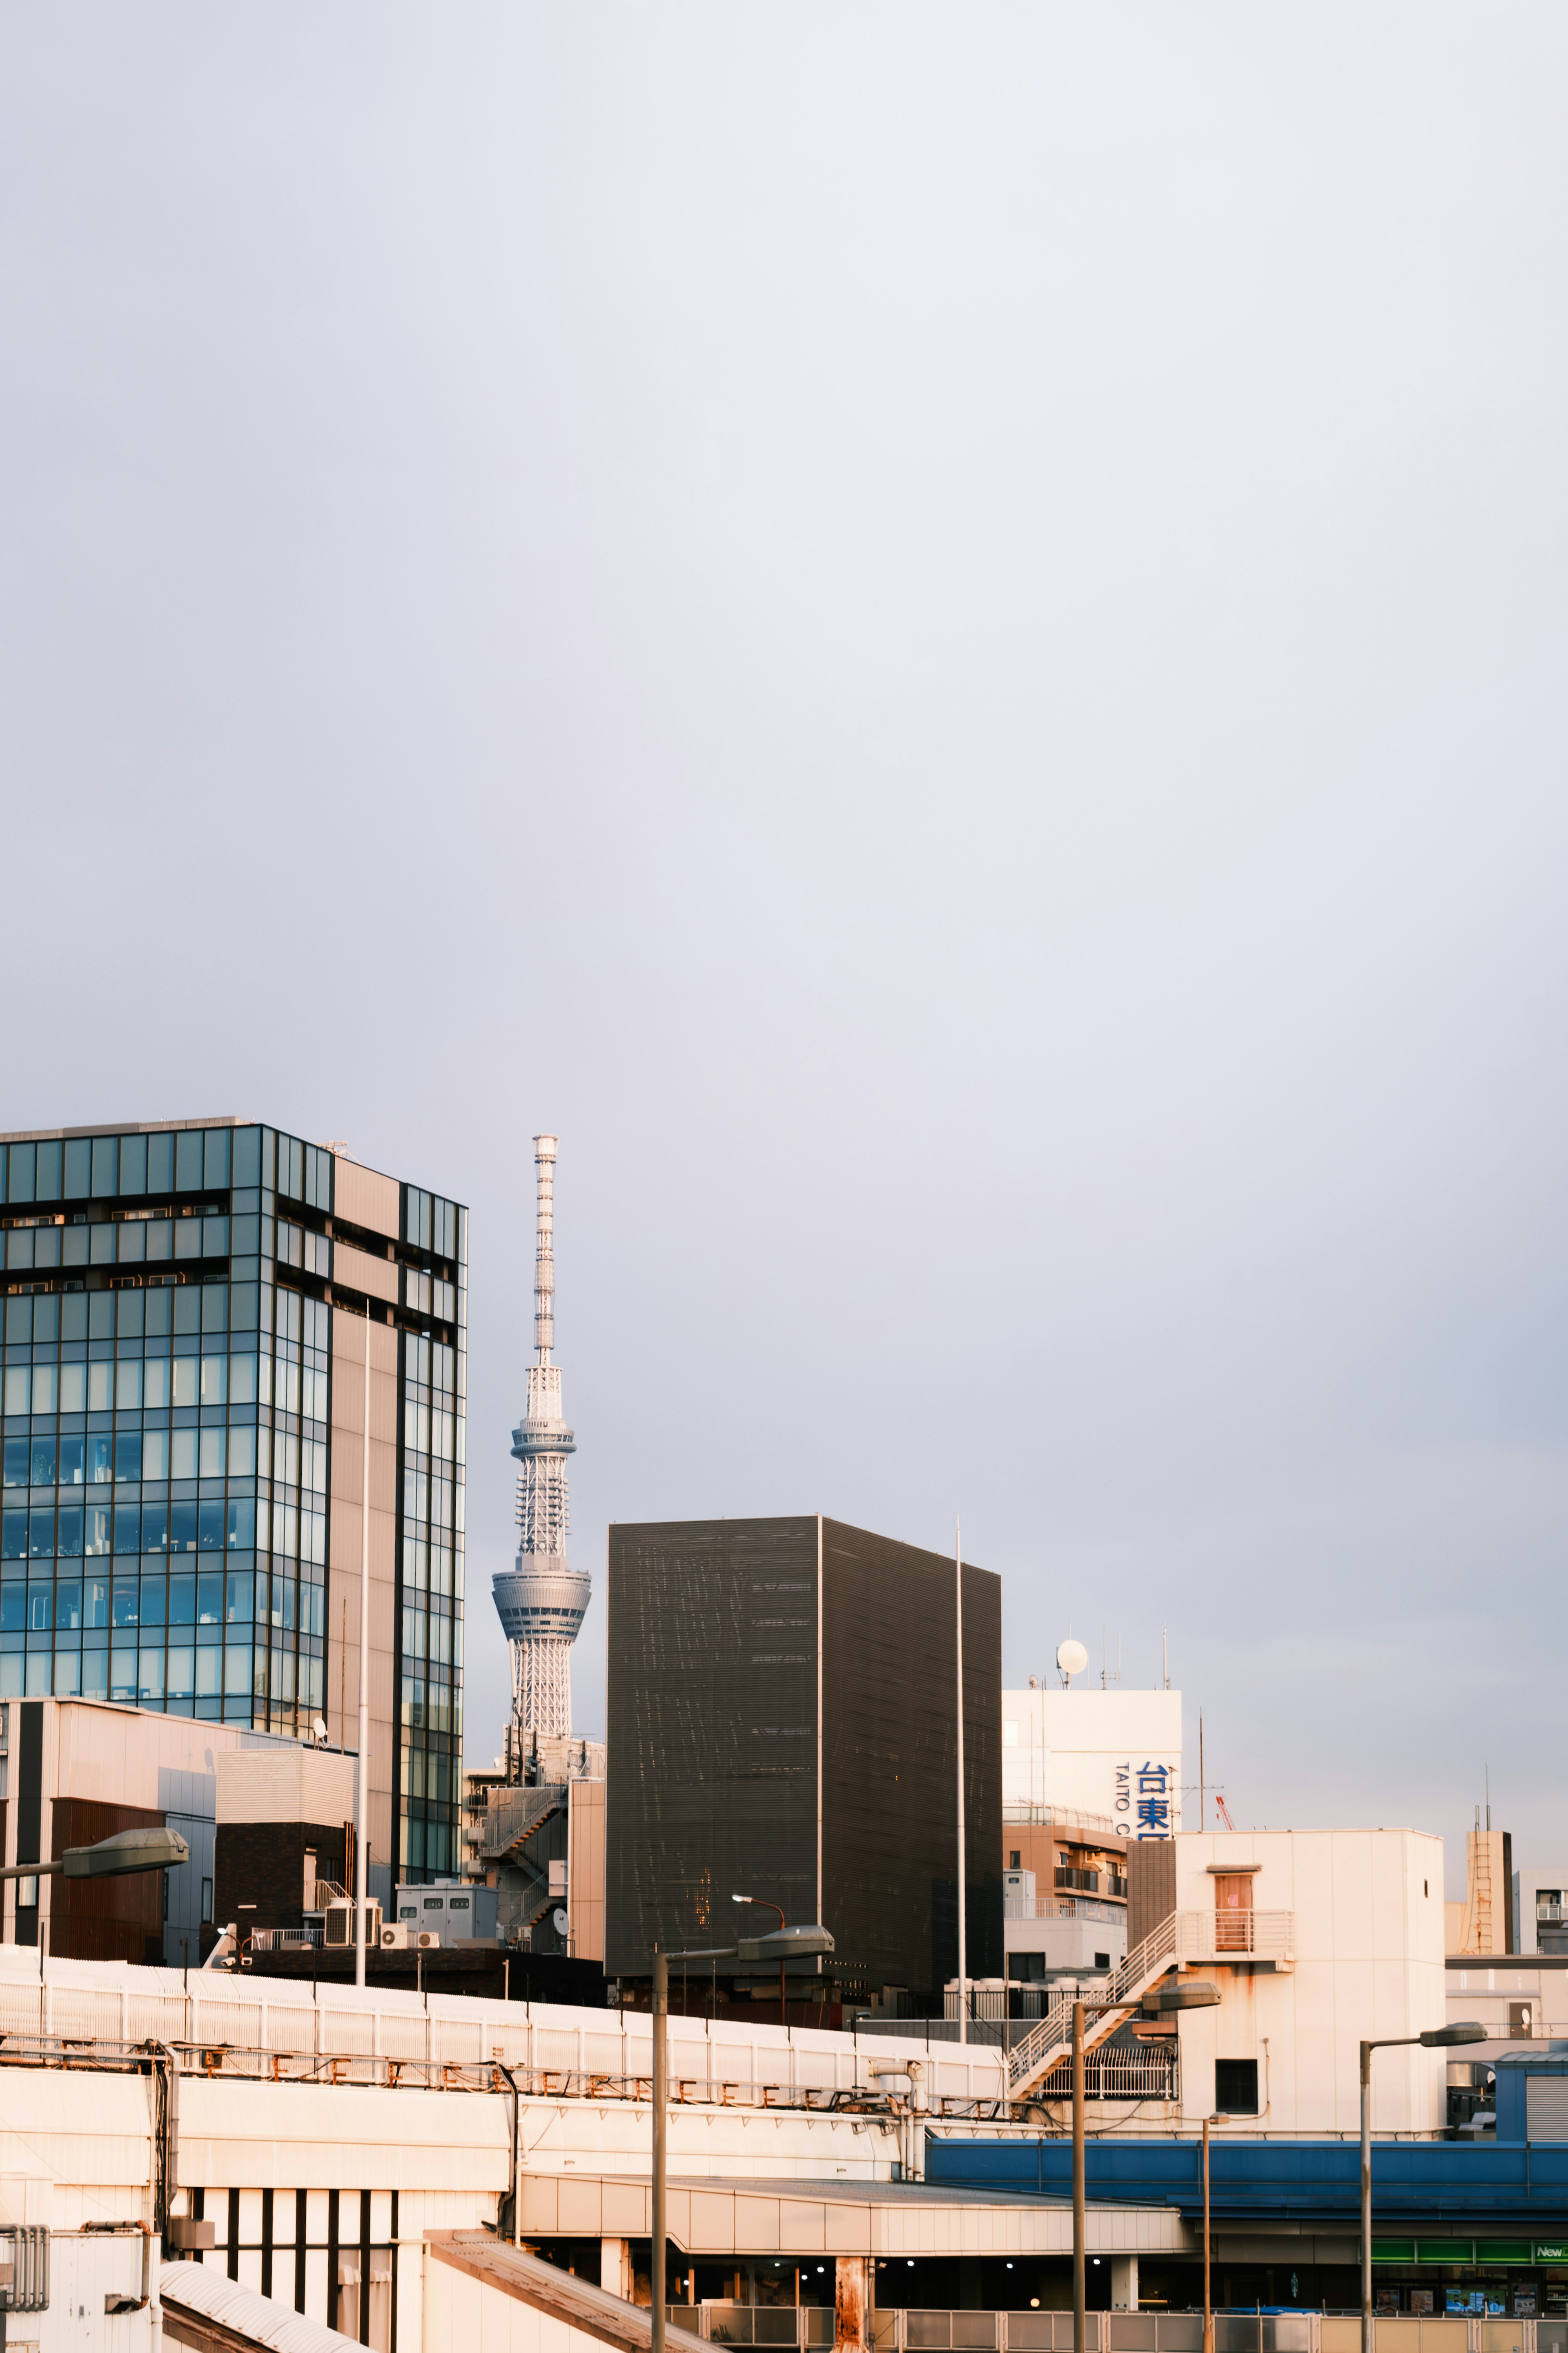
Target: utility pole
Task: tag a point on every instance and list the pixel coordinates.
(362, 1872)
(660, 2067)
(1080, 2291)
(1207, 2304)
(963, 1891)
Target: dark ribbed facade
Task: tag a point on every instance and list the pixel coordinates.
(783, 1721)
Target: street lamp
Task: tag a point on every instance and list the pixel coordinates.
(770, 1906)
(1437, 2038)
(153, 1849)
(777, 1944)
(1196, 1993)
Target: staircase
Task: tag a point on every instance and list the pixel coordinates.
(1049, 2044)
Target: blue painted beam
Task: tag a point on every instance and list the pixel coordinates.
(1412, 2182)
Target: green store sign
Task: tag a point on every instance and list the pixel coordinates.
(1469, 2252)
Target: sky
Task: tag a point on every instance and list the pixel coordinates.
(937, 634)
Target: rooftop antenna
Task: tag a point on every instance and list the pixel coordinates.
(1487, 1770)
(1071, 1659)
(1166, 1654)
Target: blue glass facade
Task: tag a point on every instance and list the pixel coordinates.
(166, 1440)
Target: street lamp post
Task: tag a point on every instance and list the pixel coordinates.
(1197, 1993)
(778, 1944)
(770, 1906)
(152, 1848)
(1079, 2294)
(1208, 2245)
(1437, 2038)
(155, 1848)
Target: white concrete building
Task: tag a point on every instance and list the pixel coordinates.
(98, 1767)
(1085, 1775)
(1541, 1905)
(1319, 1938)
(1315, 1940)
(1111, 1756)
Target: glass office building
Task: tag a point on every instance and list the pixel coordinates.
(180, 1303)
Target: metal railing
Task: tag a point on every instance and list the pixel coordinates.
(1184, 1936)
(1149, 2071)
(80, 2016)
(1064, 1907)
(1220, 1936)
(913, 2329)
(1035, 1813)
(1050, 2041)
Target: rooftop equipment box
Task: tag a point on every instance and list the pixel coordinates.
(457, 1912)
(783, 1721)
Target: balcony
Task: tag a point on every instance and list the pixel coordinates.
(1088, 1880)
(1240, 1936)
(1061, 1907)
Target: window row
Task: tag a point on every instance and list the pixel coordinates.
(210, 1597)
(297, 1246)
(428, 1846)
(157, 1456)
(444, 1636)
(431, 1224)
(432, 1363)
(135, 1242)
(151, 1384)
(431, 1429)
(184, 1160)
(427, 1294)
(307, 1321)
(83, 1532)
(431, 1568)
(431, 1773)
(430, 1704)
(440, 1501)
(236, 1677)
(173, 1304)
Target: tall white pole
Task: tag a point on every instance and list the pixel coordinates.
(963, 1932)
(362, 1872)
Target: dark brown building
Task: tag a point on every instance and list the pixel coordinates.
(783, 1723)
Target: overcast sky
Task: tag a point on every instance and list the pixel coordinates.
(939, 634)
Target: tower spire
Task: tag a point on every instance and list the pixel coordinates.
(541, 1599)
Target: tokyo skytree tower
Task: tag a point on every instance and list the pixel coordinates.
(542, 1600)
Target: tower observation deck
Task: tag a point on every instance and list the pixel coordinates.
(542, 1600)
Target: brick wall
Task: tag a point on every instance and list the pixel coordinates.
(104, 1919)
(262, 1865)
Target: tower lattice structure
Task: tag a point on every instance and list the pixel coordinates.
(542, 1600)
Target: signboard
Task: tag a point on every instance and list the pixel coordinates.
(1112, 1758)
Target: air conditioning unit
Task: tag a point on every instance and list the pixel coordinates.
(399, 1936)
(340, 1924)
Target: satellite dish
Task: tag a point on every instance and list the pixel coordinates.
(320, 1728)
(559, 1921)
(1071, 1657)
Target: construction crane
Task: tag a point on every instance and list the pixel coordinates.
(1224, 1811)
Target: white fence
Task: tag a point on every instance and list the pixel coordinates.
(556, 2051)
